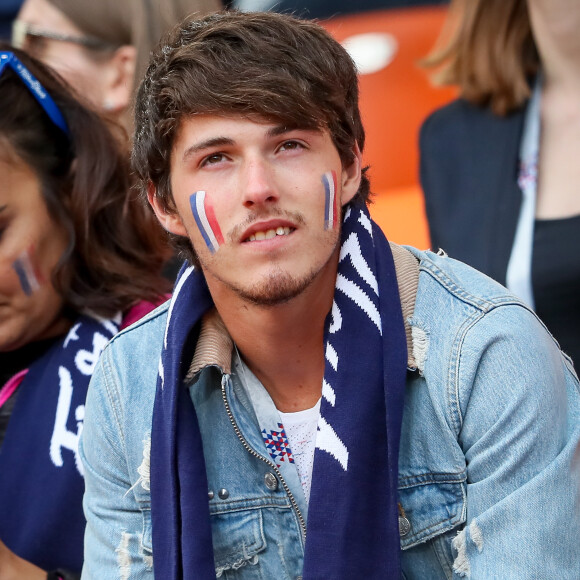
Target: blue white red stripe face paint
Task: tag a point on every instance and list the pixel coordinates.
(206, 220)
(25, 272)
(330, 211)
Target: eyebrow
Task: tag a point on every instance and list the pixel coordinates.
(207, 144)
(3, 207)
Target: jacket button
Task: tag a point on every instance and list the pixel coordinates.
(404, 526)
(210, 494)
(271, 481)
(223, 493)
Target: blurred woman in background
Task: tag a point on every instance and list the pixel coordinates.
(101, 47)
(499, 166)
(79, 260)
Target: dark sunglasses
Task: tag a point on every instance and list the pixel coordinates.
(9, 59)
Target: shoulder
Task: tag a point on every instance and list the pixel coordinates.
(447, 279)
(130, 359)
(470, 334)
(457, 306)
(139, 310)
(469, 328)
(455, 144)
(143, 331)
(462, 122)
(451, 119)
(474, 304)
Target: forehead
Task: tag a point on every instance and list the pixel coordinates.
(222, 121)
(43, 14)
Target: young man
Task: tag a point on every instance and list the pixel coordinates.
(312, 400)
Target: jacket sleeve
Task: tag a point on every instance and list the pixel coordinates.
(516, 410)
(118, 522)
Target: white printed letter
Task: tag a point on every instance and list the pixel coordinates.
(61, 438)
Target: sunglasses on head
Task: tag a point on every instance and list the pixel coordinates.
(9, 59)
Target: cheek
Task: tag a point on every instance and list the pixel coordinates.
(81, 72)
(330, 200)
(204, 215)
(29, 275)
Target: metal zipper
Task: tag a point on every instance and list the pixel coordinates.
(266, 461)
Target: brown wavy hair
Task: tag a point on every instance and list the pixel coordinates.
(488, 50)
(116, 247)
(265, 65)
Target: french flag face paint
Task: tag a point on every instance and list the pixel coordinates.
(330, 210)
(206, 220)
(25, 272)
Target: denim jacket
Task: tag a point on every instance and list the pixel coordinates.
(489, 470)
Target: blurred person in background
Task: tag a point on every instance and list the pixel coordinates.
(101, 47)
(499, 166)
(79, 260)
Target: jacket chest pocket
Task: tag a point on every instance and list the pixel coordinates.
(238, 539)
(431, 504)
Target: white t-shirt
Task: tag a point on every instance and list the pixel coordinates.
(300, 429)
(290, 438)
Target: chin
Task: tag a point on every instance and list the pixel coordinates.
(11, 344)
(276, 289)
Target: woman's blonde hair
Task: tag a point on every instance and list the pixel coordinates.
(488, 50)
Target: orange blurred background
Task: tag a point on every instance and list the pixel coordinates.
(394, 101)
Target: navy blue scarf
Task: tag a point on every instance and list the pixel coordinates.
(41, 482)
(352, 531)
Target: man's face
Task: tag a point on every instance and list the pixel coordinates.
(260, 204)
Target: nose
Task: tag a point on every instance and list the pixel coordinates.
(259, 186)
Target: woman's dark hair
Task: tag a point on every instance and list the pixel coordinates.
(116, 247)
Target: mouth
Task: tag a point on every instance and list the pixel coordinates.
(267, 231)
(269, 234)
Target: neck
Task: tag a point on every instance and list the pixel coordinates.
(555, 25)
(283, 345)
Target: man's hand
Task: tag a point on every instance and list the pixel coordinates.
(14, 568)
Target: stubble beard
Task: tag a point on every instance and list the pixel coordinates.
(279, 286)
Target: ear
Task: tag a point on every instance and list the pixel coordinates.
(118, 89)
(351, 176)
(169, 220)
